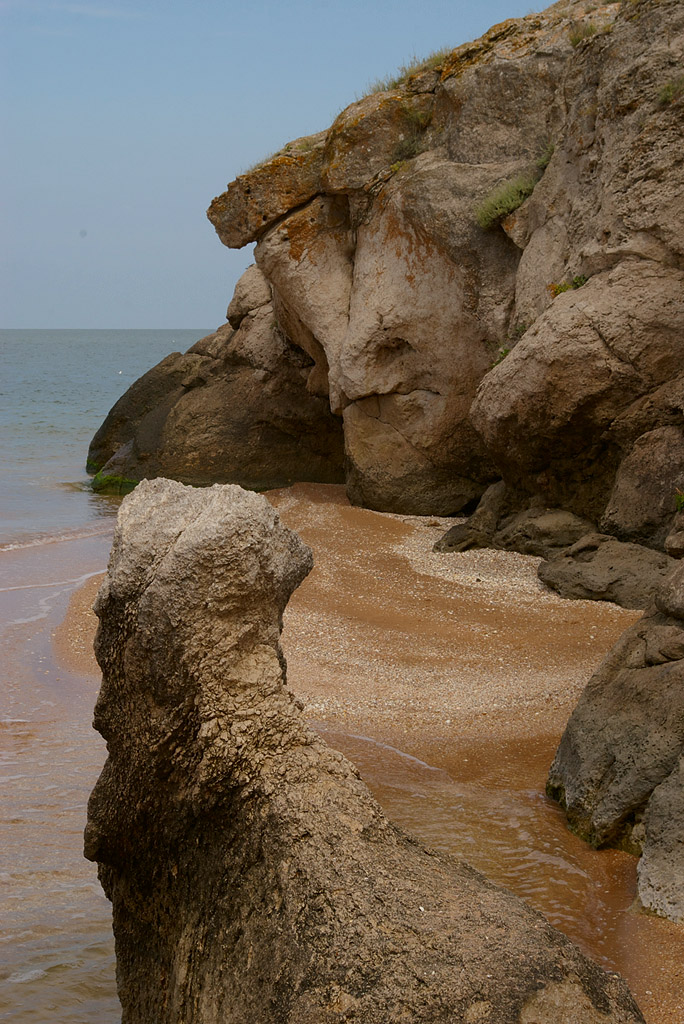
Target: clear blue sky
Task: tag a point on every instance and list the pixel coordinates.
(122, 120)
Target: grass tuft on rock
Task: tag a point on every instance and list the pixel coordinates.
(504, 200)
(403, 73)
(581, 31)
(511, 194)
(671, 92)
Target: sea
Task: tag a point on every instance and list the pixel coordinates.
(55, 389)
(56, 386)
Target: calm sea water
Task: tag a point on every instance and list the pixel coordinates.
(55, 389)
(56, 947)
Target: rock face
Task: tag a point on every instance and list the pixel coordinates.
(396, 307)
(618, 769)
(235, 408)
(253, 877)
(600, 568)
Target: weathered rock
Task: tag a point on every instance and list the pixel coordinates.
(252, 291)
(540, 531)
(618, 770)
(608, 208)
(600, 568)
(478, 531)
(674, 542)
(532, 531)
(543, 410)
(252, 875)
(234, 408)
(308, 258)
(642, 504)
(372, 134)
(661, 867)
(379, 270)
(255, 200)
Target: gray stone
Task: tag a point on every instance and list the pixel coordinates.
(618, 770)
(252, 875)
(661, 868)
(251, 292)
(600, 568)
(642, 502)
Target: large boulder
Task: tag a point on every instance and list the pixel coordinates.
(234, 408)
(252, 875)
(603, 232)
(618, 769)
(642, 502)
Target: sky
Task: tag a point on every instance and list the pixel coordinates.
(120, 121)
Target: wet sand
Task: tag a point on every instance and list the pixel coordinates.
(448, 680)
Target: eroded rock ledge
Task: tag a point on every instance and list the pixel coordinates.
(252, 876)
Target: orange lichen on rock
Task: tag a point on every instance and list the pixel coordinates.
(255, 200)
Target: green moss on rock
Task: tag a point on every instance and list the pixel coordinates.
(110, 484)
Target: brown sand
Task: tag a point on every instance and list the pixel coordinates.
(389, 636)
(464, 661)
(73, 638)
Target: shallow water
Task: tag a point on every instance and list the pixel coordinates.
(485, 804)
(56, 949)
(55, 389)
(475, 798)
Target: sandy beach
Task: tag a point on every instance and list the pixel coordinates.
(448, 680)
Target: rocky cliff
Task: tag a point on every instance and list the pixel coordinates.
(475, 273)
(253, 878)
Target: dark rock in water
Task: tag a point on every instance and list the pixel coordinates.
(253, 878)
(618, 770)
(600, 568)
(234, 409)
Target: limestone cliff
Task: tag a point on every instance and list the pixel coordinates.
(402, 306)
(253, 878)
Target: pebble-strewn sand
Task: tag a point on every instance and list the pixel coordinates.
(387, 633)
(463, 661)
